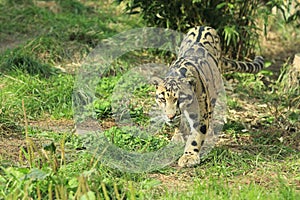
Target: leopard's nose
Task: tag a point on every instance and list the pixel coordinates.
(171, 116)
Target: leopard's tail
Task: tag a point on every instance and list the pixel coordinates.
(240, 66)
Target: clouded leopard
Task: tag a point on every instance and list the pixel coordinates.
(190, 89)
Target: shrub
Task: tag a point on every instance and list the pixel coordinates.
(234, 20)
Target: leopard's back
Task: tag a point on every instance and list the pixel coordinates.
(202, 49)
(203, 36)
(208, 38)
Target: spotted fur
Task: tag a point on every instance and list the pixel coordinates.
(189, 90)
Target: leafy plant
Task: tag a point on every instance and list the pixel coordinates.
(234, 20)
(104, 91)
(134, 139)
(289, 11)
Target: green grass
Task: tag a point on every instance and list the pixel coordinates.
(257, 157)
(42, 97)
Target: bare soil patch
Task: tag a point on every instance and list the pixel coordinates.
(279, 51)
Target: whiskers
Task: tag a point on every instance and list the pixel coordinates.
(172, 122)
(159, 118)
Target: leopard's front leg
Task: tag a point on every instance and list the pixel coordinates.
(194, 141)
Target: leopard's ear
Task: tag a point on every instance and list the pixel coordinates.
(156, 81)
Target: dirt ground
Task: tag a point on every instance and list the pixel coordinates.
(279, 52)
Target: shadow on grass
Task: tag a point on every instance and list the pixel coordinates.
(14, 61)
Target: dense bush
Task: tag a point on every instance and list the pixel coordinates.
(235, 20)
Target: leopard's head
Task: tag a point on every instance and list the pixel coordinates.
(167, 98)
(174, 95)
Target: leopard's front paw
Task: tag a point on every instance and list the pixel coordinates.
(189, 160)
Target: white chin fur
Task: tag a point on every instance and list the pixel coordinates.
(172, 122)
